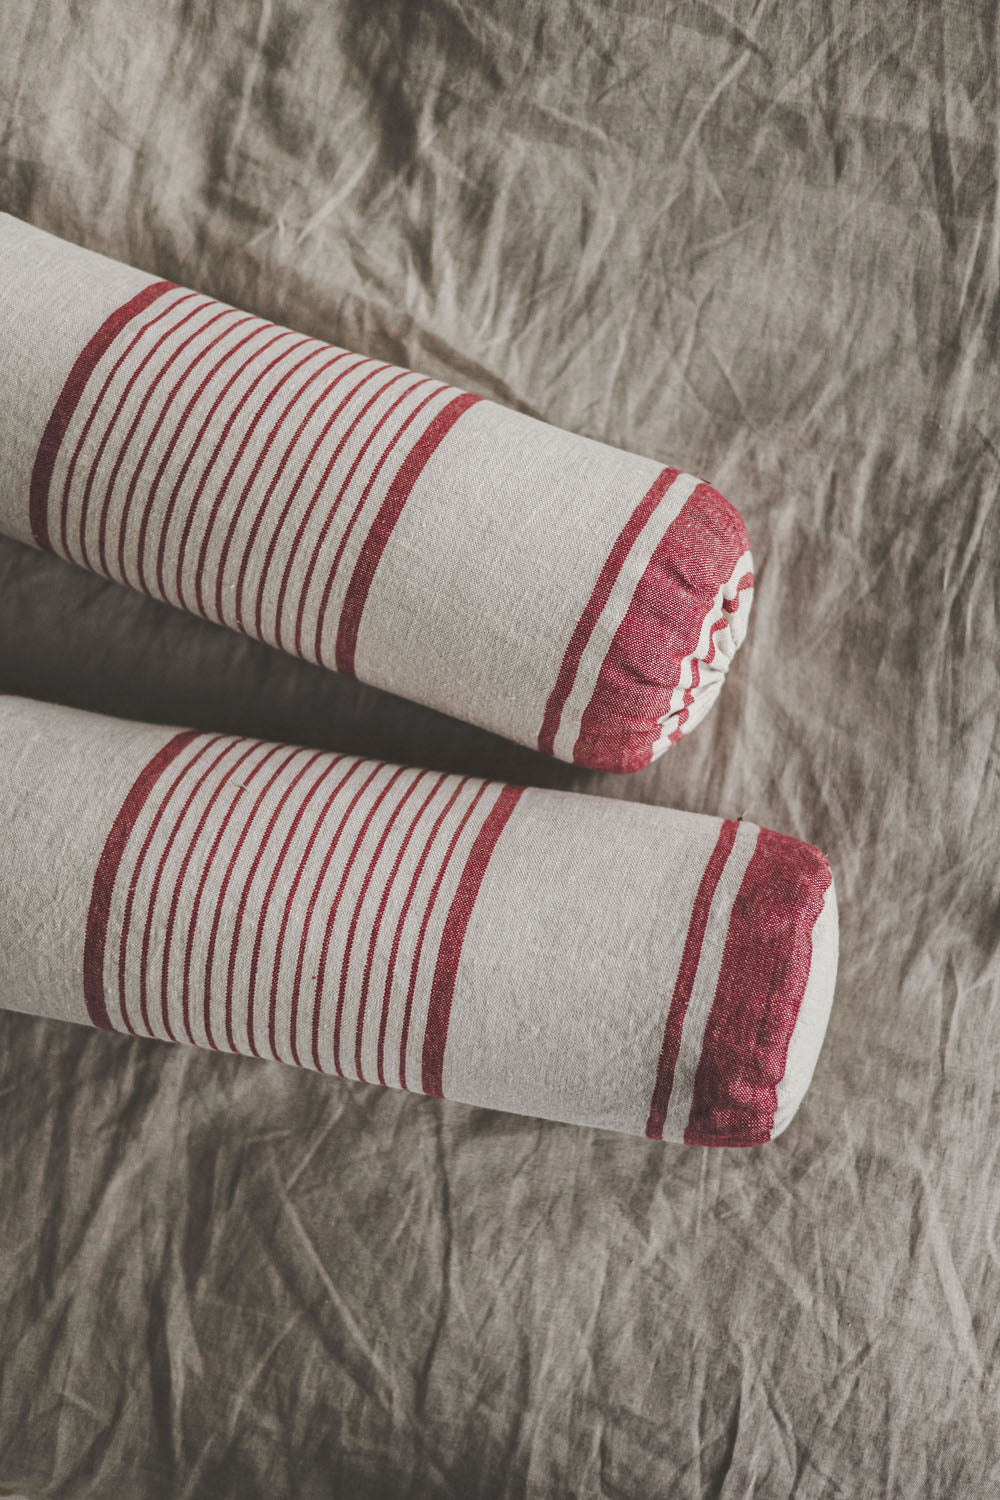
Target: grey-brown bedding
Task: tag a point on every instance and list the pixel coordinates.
(760, 241)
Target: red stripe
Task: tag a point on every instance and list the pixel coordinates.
(450, 950)
(240, 410)
(729, 606)
(317, 489)
(95, 407)
(171, 505)
(765, 966)
(394, 952)
(349, 945)
(179, 884)
(147, 931)
(99, 910)
(265, 903)
(331, 513)
(68, 400)
(279, 525)
(120, 458)
(249, 545)
(685, 978)
(289, 900)
(126, 925)
(377, 925)
(596, 604)
(331, 918)
(366, 491)
(697, 554)
(199, 894)
(241, 904)
(220, 899)
(377, 539)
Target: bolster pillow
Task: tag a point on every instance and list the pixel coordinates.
(570, 596)
(575, 958)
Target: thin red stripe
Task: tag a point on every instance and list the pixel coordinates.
(332, 917)
(596, 604)
(378, 537)
(147, 931)
(220, 899)
(199, 894)
(660, 630)
(102, 530)
(241, 447)
(394, 951)
(349, 946)
(304, 586)
(289, 900)
(453, 937)
(332, 570)
(68, 400)
(684, 983)
(126, 926)
(99, 910)
(377, 925)
(424, 924)
(765, 967)
(318, 488)
(213, 797)
(241, 904)
(95, 407)
(265, 903)
(279, 526)
(249, 545)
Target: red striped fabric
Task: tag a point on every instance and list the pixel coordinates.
(211, 869)
(699, 550)
(765, 967)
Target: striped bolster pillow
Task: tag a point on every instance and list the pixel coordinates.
(576, 958)
(572, 597)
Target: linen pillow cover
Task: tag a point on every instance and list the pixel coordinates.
(570, 596)
(576, 958)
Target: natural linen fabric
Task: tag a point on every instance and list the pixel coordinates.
(556, 590)
(604, 963)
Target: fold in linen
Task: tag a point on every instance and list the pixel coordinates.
(575, 598)
(575, 958)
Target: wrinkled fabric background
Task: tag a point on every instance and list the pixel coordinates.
(757, 239)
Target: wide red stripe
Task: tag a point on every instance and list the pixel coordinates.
(99, 910)
(455, 927)
(102, 531)
(378, 537)
(200, 892)
(279, 947)
(345, 535)
(68, 400)
(584, 628)
(765, 966)
(175, 898)
(695, 557)
(243, 899)
(684, 982)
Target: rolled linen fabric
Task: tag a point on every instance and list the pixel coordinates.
(570, 596)
(570, 957)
